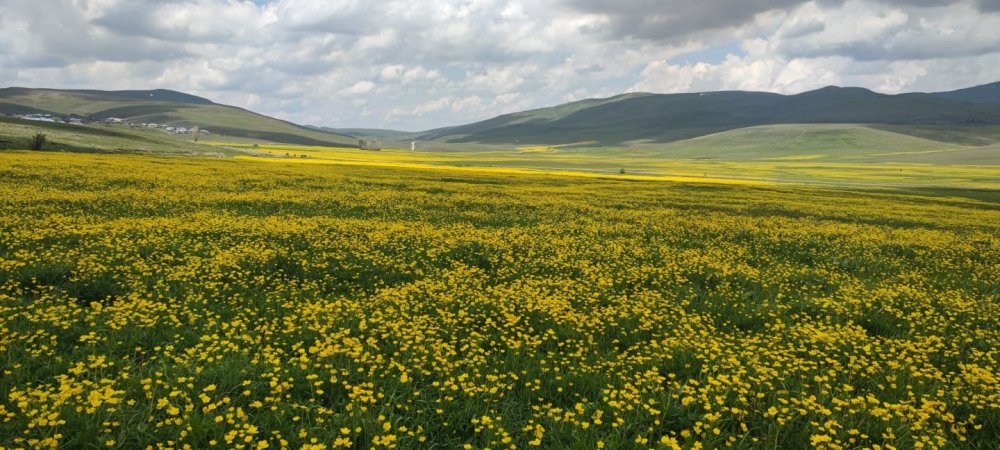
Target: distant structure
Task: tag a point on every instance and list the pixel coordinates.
(41, 118)
(365, 144)
(413, 146)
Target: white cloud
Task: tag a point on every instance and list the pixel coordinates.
(432, 106)
(858, 43)
(360, 88)
(417, 65)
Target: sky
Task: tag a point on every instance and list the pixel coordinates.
(417, 65)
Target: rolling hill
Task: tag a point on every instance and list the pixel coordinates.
(829, 124)
(984, 94)
(167, 108)
(16, 134)
(662, 118)
(800, 142)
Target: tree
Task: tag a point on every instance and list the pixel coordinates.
(38, 141)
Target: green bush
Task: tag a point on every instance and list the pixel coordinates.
(38, 141)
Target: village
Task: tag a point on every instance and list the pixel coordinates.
(110, 121)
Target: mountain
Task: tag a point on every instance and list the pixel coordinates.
(661, 118)
(368, 132)
(985, 94)
(969, 117)
(164, 107)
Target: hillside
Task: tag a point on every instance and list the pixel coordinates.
(832, 124)
(15, 134)
(370, 133)
(828, 142)
(163, 107)
(986, 94)
(661, 118)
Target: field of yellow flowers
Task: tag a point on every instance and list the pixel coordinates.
(171, 303)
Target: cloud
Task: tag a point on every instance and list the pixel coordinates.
(196, 21)
(361, 87)
(680, 19)
(875, 45)
(868, 32)
(672, 19)
(418, 65)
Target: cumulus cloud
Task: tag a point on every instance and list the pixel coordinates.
(881, 46)
(673, 19)
(417, 65)
(886, 32)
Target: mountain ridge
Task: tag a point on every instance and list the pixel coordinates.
(663, 118)
(164, 107)
(636, 118)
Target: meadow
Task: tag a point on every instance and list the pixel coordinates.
(171, 302)
(870, 168)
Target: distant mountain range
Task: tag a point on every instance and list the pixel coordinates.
(638, 119)
(650, 119)
(661, 118)
(163, 107)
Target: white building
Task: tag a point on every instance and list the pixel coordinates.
(39, 117)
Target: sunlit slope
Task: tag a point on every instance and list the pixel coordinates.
(167, 108)
(15, 134)
(985, 155)
(645, 165)
(969, 135)
(809, 142)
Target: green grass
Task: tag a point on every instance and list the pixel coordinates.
(168, 108)
(15, 134)
(672, 309)
(854, 155)
(806, 168)
(801, 142)
(968, 135)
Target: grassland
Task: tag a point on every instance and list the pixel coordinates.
(16, 133)
(874, 169)
(856, 155)
(270, 303)
(829, 142)
(165, 108)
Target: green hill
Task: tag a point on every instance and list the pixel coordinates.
(987, 93)
(825, 142)
(164, 107)
(15, 134)
(661, 118)
(830, 124)
(370, 133)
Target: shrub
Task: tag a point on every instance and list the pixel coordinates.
(38, 141)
